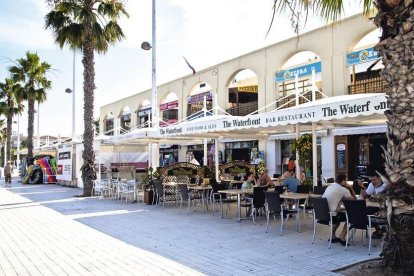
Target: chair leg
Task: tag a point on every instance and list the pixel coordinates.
(267, 220)
(188, 203)
(181, 205)
(346, 237)
(281, 223)
(314, 230)
(330, 235)
(369, 240)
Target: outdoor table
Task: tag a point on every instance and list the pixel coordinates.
(296, 197)
(203, 190)
(237, 192)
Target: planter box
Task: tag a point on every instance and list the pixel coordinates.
(148, 197)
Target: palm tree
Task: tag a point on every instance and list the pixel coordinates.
(10, 105)
(31, 73)
(395, 18)
(88, 25)
(3, 137)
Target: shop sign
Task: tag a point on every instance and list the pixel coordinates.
(301, 71)
(144, 112)
(199, 98)
(170, 105)
(361, 56)
(241, 123)
(250, 89)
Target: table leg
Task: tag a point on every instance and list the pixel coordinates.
(298, 215)
(202, 199)
(238, 208)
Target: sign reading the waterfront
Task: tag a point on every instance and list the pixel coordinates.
(361, 56)
(301, 71)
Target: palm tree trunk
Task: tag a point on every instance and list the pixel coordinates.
(30, 113)
(88, 155)
(9, 134)
(397, 51)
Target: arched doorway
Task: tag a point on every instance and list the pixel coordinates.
(125, 117)
(144, 114)
(243, 93)
(365, 66)
(109, 124)
(169, 109)
(301, 65)
(195, 100)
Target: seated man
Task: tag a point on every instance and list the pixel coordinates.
(291, 182)
(334, 194)
(374, 188)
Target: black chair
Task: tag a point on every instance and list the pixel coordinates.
(319, 190)
(304, 205)
(258, 201)
(161, 193)
(357, 218)
(193, 180)
(185, 195)
(322, 215)
(237, 185)
(273, 206)
(220, 197)
(238, 178)
(276, 175)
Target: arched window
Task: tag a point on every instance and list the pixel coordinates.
(195, 100)
(109, 124)
(144, 114)
(125, 119)
(243, 93)
(169, 109)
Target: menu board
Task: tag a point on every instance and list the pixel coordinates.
(340, 156)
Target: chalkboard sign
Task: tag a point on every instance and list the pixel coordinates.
(340, 156)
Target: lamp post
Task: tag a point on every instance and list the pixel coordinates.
(154, 101)
(18, 140)
(68, 90)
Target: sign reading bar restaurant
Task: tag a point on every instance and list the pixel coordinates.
(361, 56)
(301, 71)
(321, 110)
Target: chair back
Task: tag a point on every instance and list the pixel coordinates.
(159, 188)
(237, 178)
(259, 197)
(212, 180)
(303, 189)
(226, 183)
(319, 190)
(183, 191)
(237, 185)
(218, 187)
(193, 180)
(357, 213)
(279, 189)
(273, 201)
(321, 209)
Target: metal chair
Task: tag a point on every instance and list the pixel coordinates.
(273, 206)
(357, 218)
(185, 195)
(322, 215)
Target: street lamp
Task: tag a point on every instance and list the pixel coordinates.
(68, 90)
(18, 140)
(155, 122)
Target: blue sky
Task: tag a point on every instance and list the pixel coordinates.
(206, 32)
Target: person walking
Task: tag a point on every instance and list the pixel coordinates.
(8, 170)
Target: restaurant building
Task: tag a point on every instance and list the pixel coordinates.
(339, 61)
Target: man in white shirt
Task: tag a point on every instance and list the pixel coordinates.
(375, 187)
(334, 194)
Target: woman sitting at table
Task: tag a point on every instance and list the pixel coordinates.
(264, 179)
(250, 181)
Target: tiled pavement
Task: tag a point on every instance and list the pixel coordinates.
(45, 230)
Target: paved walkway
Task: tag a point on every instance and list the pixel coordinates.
(45, 230)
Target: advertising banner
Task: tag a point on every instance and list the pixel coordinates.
(64, 163)
(301, 71)
(361, 56)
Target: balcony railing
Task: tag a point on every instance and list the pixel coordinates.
(376, 85)
(242, 109)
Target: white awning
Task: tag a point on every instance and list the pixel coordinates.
(291, 136)
(359, 130)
